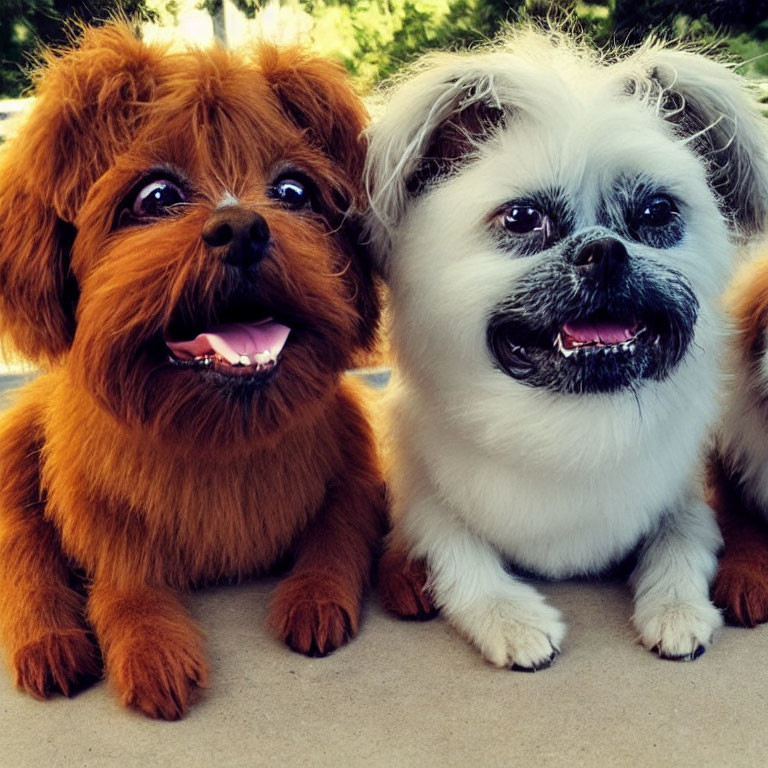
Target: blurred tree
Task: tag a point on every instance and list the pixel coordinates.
(217, 11)
(24, 24)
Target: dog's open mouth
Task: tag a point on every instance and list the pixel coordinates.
(602, 352)
(238, 349)
(583, 339)
(602, 336)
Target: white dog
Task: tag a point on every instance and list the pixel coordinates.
(555, 230)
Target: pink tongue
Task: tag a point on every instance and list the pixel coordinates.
(605, 333)
(233, 340)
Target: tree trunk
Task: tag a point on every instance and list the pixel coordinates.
(219, 17)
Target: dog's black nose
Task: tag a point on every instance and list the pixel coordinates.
(242, 233)
(599, 259)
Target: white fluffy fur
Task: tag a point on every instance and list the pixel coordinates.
(489, 470)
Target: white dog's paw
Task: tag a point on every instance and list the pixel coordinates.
(523, 637)
(679, 630)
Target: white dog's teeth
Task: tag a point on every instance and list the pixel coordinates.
(631, 348)
(563, 350)
(244, 360)
(262, 358)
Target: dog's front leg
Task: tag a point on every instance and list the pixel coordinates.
(508, 620)
(673, 613)
(153, 652)
(42, 619)
(317, 607)
(740, 587)
(741, 584)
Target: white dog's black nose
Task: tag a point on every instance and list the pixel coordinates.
(599, 259)
(242, 233)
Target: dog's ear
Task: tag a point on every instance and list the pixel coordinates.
(711, 107)
(87, 101)
(433, 122)
(317, 96)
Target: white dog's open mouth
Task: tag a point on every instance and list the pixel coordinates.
(233, 349)
(601, 337)
(604, 351)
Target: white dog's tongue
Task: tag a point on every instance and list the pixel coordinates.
(234, 341)
(600, 333)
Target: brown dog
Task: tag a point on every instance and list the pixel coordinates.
(177, 248)
(738, 479)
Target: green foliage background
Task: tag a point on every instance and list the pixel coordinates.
(732, 27)
(375, 37)
(23, 23)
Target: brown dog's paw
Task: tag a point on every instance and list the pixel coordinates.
(64, 662)
(402, 586)
(314, 614)
(741, 590)
(160, 677)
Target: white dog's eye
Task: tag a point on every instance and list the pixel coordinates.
(522, 219)
(657, 211)
(154, 199)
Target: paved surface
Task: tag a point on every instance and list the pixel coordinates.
(405, 694)
(409, 694)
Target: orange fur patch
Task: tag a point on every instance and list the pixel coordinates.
(740, 587)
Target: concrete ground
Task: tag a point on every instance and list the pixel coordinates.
(409, 694)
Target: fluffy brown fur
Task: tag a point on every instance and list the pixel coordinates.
(124, 477)
(741, 585)
(402, 583)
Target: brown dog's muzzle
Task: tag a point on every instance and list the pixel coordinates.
(243, 235)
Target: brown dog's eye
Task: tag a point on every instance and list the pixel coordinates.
(154, 199)
(293, 191)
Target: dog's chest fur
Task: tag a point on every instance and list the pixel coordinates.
(200, 516)
(543, 515)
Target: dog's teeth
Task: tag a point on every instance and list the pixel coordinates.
(563, 351)
(631, 348)
(244, 360)
(262, 358)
